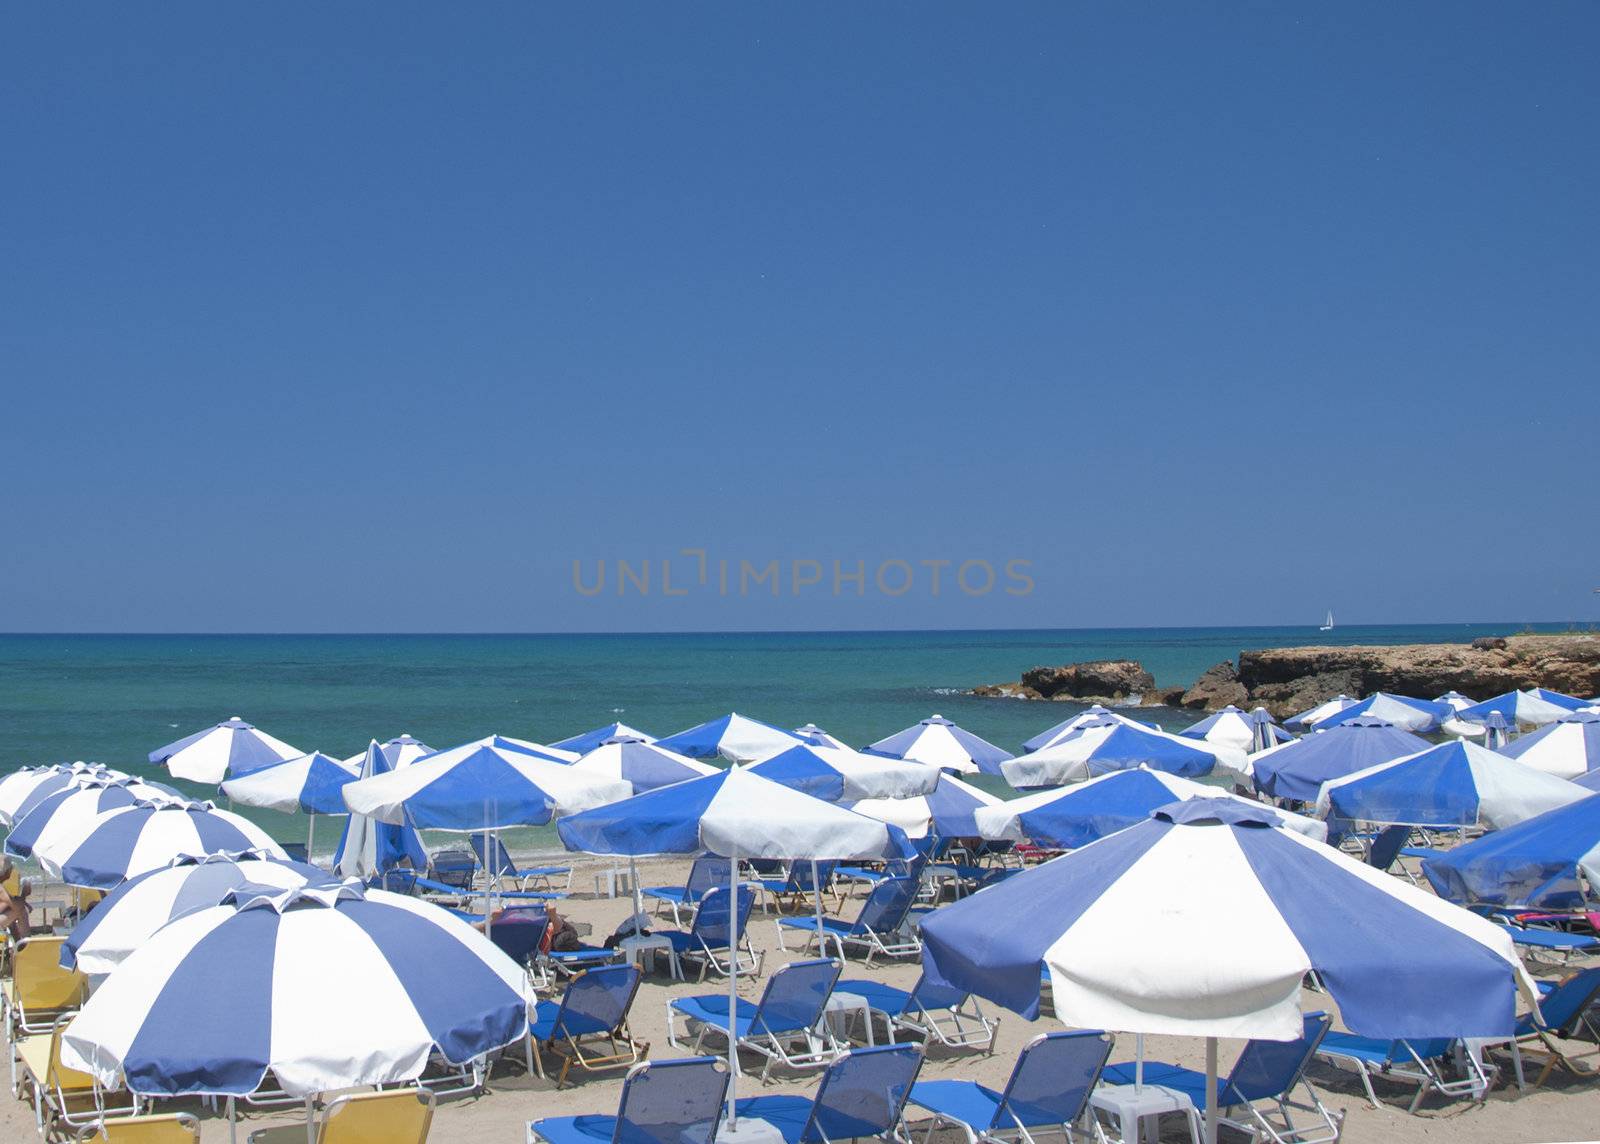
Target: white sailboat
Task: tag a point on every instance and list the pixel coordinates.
(1327, 624)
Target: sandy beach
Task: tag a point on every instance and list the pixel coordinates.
(1565, 1109)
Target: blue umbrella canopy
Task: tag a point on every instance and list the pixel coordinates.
(949, 811)
(643, 766)
(232, 747)
(1534, 863)
(1569, 747)
(1237, 728)
(937, 742)
(834, 773)
(1110, 745)
(1515, 707)
(1305, 719)
(589, 740)
(1418, 715)
(1297, 770)
(732, 736)
(1090, 716)
(74, 807)
(311, 784)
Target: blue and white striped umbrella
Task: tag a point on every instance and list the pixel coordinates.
(367, 847)
(1305, 719)
(735, 737)
(1453, 784)
(1069, 817)
(400, 751)
(311, 784)
(1534, 864)
(822, 771)
(1416, 715)
(37, 782)
(589, 740)
(1521, 708)
(937, 742)
(1297, 770)
(1233, 727)
(1569, 747)
(949, 811)
(134, 840)
(135, 910)
(1108, 746)
(479, 787)
(67, 813)
(817, 737)
(643, 766)
(232, 747)
(1455, 700)
(1560, 698)
(1089, 717)
(324, 988)
(1218, 915)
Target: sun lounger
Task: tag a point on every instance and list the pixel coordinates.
(876, 928)
(662, 1102)
(594, 1009)
(1552, 944)
(933, 1012)
(797, 884)
(38, 992)
(785, 1026)
(706, 871)
(1266, 1072)
(396, 1116)
(168, 1128)
(493, 856)
(861, 1096)
(1566, 1010)
(708, 941)
(1425, 1062)
(63, 1098)
(1048, 1089)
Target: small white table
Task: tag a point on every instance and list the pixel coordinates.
(613, 882)
(654, 944)
(837, 1012)
(1131, 1105)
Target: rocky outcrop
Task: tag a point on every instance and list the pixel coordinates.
(1114, 680)
(1289, 680)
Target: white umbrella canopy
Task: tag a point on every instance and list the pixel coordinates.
(839, 773)
(19, 787)
(400, 751)
(232, 747)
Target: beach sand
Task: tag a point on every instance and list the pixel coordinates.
(1564, 1110)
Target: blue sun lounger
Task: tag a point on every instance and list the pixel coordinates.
(934, 1012)
(1266, 1071)
(1048, 1089)
(706, 871)
(1413, 1060)
(1565, 1010)
(1557, 945)
(709, 934)
(593, 1009)
(663, 1102)
(862, 1095)
(493, 857)
(785, 1026)
(875, 928)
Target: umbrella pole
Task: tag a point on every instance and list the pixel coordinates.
(816, 892)
(311, 1124)
(233, 1123)
(733, 985)
(633, 880)
(1211, 1090)
(1138, 1061)
(311, 834)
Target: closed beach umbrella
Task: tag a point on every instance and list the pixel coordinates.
(400, 751)
(1112, 746)
(37, 782)
(1520, 708)
(949, 811)
(1496, 731)
(323, 987)
(134, 840)
(1264, 732)
(1453, 784)
(589, 740)
(937, 742)
(1569, 747)
(67, 813)
(1305, 719)
(368, 847)
(643, 766)
(836, 773)
(817, 737)
(736, 813)
(1069, 817)
(132, 913)
(1297, 770)
(312, 784)
(1089, 717)
(734, 737)
(1218, 916)
(1232, 727)
(1533, 864)
(1416, 715)
(232, 747)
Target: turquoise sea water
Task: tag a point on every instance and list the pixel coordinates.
(113, 699)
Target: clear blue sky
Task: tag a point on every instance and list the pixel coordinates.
(377, 317)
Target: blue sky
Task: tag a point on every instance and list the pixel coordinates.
(361, 319)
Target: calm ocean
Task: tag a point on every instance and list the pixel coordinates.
(113, 699)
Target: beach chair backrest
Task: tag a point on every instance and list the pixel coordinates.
(13, 882)
(1052, 1080)
(492, 854)
(1564, 1004)
(517, 934)
(455, 868)
(37, 979)
(886, 907)
(672, 1102)
(705, 872)
(795, 995)
(598, 1001)
(711, 921)
(397, 880)
(400, 1116)
(801, 880)
(58, 1077)
(929, 995)
(863, 1093)
(167, 1128)
(1271, 1068)
(1387, 845)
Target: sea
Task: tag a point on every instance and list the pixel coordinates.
(114, 698)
